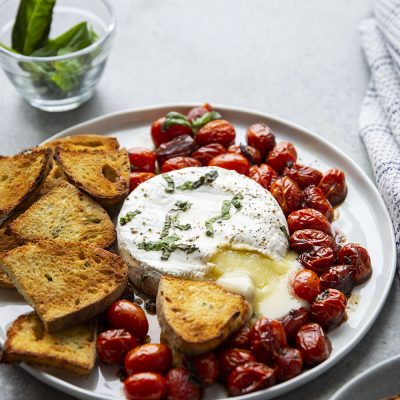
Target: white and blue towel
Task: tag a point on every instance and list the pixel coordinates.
(380, 114)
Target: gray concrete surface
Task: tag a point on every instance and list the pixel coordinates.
(297, 59)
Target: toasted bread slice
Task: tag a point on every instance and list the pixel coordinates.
(66, 283)
(65, 214)
(8, 241)
(55, 175)
(91, 141)
(196, 317)
(20, 178)
(104, 175)
(73, 349)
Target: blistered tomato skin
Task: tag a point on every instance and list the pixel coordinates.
(315, 198)
(288, 364)
(232, 161)
(329, 308)
(206, 153)
(282, 155)
(308, 218)
(178, 163)
(338, 277)
(306, 239)
(203, 367)
(293, 321)
(197, 112)
(315, 347)
(161, 135)
(229, 359)
(357, 256)
(142, 159)
(149, 358)
(112, 345)
(319, 259)
(217, 131)
(251, 153)
(333, 185)
(181, 146)
(303, 175)
(180, 386)
(239, 339)
(145, 386)
(250, 377)
(306, 285)
(261, 138)
(267, 337)
(136, 178)
(263, 175)
(288, 194)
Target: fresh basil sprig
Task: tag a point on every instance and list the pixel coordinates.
(175, 118)
(209, 177)
(205, 119)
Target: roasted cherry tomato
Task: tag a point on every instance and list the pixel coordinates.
(329, 308)
(319, 259)
(306, 284)
(288, 194)
(217, 131)
(261, 137)
(204, 367)
(308, 218)
(267, 337)
(112, 345)
(179, 163)
(251, 153)
(166, 128)
(239, 339)
(206, 153)
(288, 364)
(233, 161)
(123, 314)
(333, 185)
(282, 155)
(229, 359)
(250, 377)
(145, 386)
(314, 345)
(264, 175)
(198, 112)
(142, 159)
(303, 175)
(136, 178)
(149, 358)
(314, 198)
(306, 239)
(293, 321)
(355, 255)
(180, 386)
(338, 277)
(180, 146)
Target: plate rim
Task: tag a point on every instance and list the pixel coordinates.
(306, 376)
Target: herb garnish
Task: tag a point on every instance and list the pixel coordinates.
(182, 205)
(171, 184)
(207, 178)
(284, 230)
(175, 118)
(129, 217)
(225, 213)
(205, 119)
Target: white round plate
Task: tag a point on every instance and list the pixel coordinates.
(363, 219)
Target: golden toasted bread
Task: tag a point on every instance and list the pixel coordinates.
(91, 141)
(55, 175)
(196, 317)
(20, 178)
(8, 241)
(104, 175)
(66, 283)
(65, 214)
(73, 349)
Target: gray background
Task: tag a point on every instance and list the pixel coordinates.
(297, 59)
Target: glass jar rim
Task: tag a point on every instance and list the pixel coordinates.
(110, 31)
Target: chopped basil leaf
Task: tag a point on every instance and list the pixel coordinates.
(182, 205)
(129, 217)
(171, 184)
(207, 178)
(205, 119)
(175, 118)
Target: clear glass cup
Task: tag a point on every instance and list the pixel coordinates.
(62, 82)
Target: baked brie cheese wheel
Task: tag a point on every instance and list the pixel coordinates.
(209, 223)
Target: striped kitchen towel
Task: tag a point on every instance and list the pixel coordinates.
(380, 114)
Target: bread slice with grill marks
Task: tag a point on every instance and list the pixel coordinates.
(196, 317)
(91, 141)
(73, 349)
(21, 177)
(65, 214)
(104, 175)
(66, 283)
